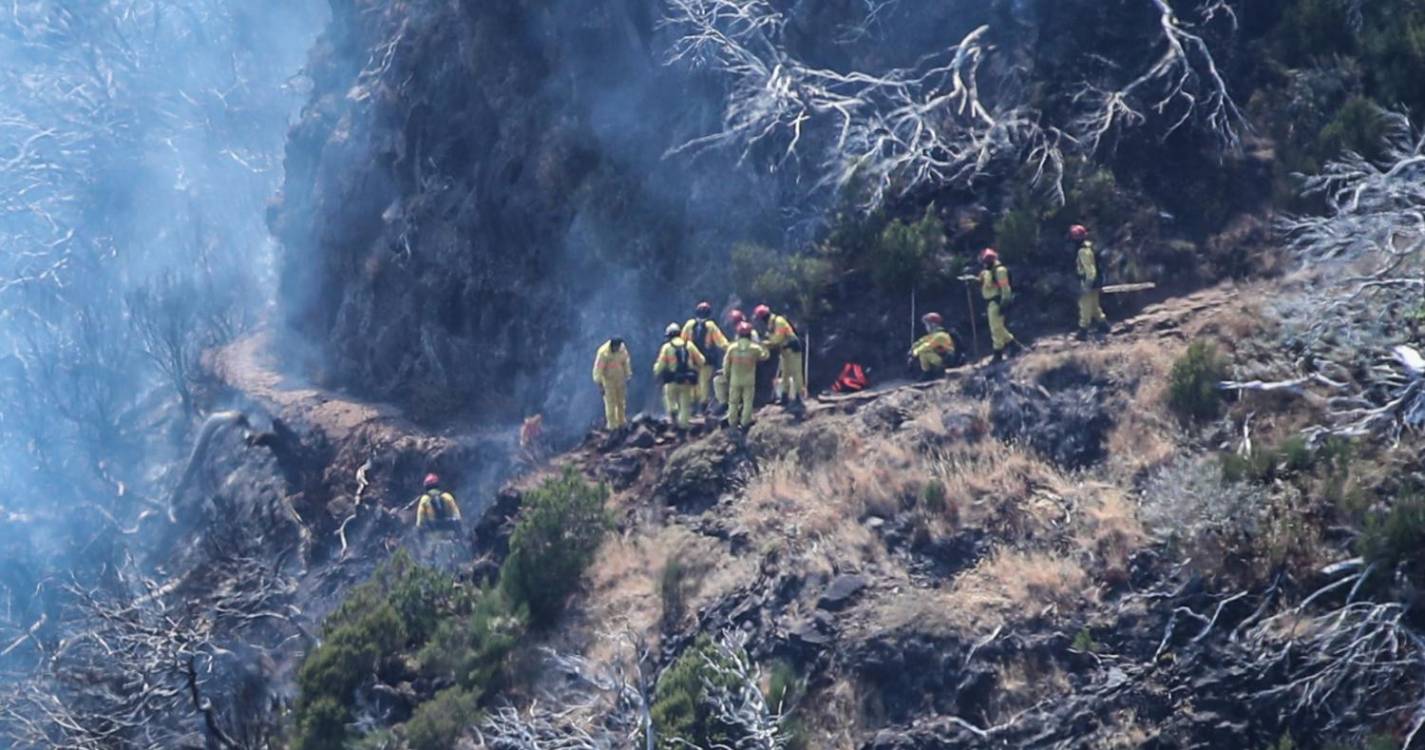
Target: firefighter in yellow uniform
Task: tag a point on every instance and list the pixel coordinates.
(677, 368)
(703, 332)
(935, 350)
(436, 506)
(735, 319)
(612, 371)
(741, 369)
(1090, 309)
(782, 338)
(995, 288)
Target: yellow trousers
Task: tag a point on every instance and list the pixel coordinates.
(705, 384)
(999, 333)
(1090, 311)
(931, 360)
(739, 404)
(615, 403)
(720, 387)
(678, 399)
(791, 381)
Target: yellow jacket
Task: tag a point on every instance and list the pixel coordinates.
(712, 336)
(612, 368)
(668, 358)
(426, 510)
(1087, 266)
(780, 332)
(742, 358)
(994, 284)
(937, 341)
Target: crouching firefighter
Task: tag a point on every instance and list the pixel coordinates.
(437, 508)
(934, 351)
(677, 368)
(742, 358)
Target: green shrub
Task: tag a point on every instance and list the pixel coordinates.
(396, 609)
(784, 688)
(1192, 386)
(473, 648)
(902, 251)
(438, 722)
(673, 587)
(796, 282)
(1398, 537)
(680, 710)
(1084, 641)
(933, 496)
(1295, 455)
(381, 739)
(1358, 127)
(1017, 234)
(560, 527)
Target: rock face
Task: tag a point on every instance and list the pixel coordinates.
(476, 196)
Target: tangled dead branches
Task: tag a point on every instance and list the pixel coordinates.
(883, 134)
(1368, 248)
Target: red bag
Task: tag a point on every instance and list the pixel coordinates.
(851, 380)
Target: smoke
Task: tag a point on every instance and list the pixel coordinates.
(140, 141)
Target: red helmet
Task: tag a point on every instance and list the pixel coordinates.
(988, 255)
(1078, 232)
(432, 480)
(704, 309)
(744, 329)
(762, 312)
(735, 317)
(932, 319)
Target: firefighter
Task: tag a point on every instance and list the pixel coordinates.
(781, 338)
(998, 294)
(1090, 281)
(936, 349)
(735, 319)
(677, 368)
(741, 369)
(703, 332)
(612, 371)
(436, 507)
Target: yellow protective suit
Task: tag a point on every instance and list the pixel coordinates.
(995, 288)
(782, 338)
(933, 349)
(612, 371)
(436, 505)
(741, 369)
(714, 341)
(720, 379)
(1090, 310)
(679, 388)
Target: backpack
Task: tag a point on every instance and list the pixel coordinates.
(684, 372)
(851, 380)
(712, 354)
(437, 504)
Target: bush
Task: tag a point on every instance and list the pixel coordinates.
(784, 688)
(797, 281)
(560, 527)
(1192, 385)
(473, 648)
(902, 250)
(395, 610)
(673, 588)
(933, 497)
(438, 722)
(1084, 642)
(1397, 538)
(1017, 234)
(680, 710)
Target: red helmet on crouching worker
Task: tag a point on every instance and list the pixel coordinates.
(762, 312)
(988, 256)
(1078, 232)
(432, 480)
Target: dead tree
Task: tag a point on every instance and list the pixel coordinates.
(882, 133)
(1368, 249)
(1184, 84)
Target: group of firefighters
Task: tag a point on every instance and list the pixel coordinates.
(702, 370)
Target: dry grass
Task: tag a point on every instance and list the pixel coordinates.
(1025, 584)
(1109, 531)
(1002, 488)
